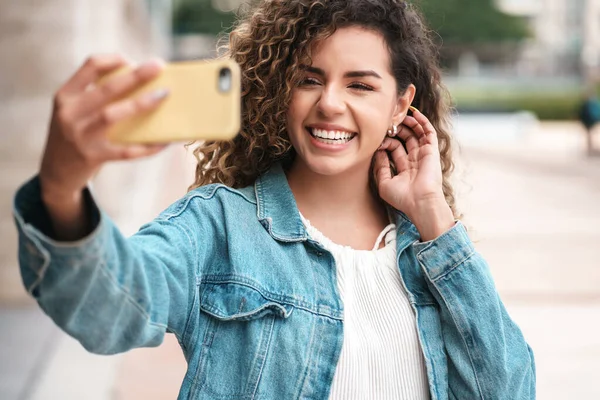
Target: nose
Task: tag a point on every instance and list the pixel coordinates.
(331, 102)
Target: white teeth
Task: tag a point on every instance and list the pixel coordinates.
(331, 135)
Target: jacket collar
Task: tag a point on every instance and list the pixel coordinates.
(277, 208)
(278, 211)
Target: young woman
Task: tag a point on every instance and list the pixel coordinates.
(318, 255)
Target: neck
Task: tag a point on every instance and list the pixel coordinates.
(342, 197)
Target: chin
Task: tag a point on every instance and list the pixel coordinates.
(329, 166)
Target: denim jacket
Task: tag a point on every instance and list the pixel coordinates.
(253, 301)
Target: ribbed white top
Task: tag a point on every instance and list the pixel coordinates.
(381, 356)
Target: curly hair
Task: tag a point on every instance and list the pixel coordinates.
(274, 40)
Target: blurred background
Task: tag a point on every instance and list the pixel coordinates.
(528, 174)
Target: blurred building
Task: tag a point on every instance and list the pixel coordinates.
(566, 36)
(590, 55)
(42, 43)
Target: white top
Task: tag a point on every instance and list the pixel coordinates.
(381, 356)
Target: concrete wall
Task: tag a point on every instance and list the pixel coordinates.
(42, 43)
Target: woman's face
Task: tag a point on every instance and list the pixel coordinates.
(345, 103)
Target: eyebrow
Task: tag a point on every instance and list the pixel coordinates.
(349, 74)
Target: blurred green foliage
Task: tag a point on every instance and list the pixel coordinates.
(199, 16)
(472, 22)
(456, 21)
(553, 105)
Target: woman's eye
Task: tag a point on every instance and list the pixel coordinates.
(309, 82)
(361, 86)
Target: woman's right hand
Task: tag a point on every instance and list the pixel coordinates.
(77, 144)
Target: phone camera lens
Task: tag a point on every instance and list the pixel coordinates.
(224, 80)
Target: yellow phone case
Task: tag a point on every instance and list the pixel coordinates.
(195, 109)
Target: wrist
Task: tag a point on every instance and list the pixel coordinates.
(67, 211)
(56, 195)
(432, 218)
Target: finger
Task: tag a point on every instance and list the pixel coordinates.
(124, 109)
(382, 167)
(423, 121)
(128, 152)
(104, 151)
(101, 150)
(409, 137)
(389, 144)
(117, 87)
(400, 157)
(428, 133)
(94, 68)
(414, 125)
(397, 151)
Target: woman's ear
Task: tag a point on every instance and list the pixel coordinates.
(404, 101)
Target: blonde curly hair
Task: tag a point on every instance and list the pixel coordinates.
(274, 39)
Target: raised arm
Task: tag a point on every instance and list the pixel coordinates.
(488, 357)
(109, 292)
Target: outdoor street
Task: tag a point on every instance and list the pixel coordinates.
(531, 200)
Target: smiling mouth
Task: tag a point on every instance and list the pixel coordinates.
(331, 137)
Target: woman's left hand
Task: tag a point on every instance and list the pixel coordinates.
(416, 189)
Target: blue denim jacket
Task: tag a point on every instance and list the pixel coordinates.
(253, 300)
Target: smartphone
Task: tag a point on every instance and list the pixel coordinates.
(203, 104)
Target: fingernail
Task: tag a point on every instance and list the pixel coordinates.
(413, 109)
(155, 61)
(158, 95)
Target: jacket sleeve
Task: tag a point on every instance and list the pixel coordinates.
(109, 292)
(488, 357)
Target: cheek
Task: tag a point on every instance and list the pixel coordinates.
(374, 121)
(299, 106)
(294, 118)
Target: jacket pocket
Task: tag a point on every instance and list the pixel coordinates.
(235, 302)
(241, 325)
